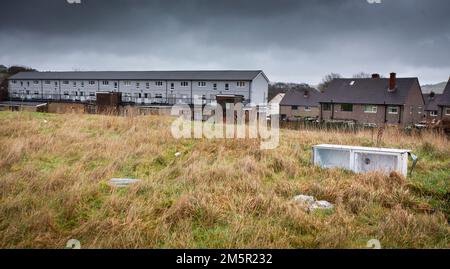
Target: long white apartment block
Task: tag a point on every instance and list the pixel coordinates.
(141, 87)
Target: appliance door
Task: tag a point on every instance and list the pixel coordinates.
(373, 162)
(332, 158)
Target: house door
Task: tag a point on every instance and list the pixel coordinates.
(172, 99)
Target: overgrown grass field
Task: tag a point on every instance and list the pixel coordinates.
(54, 172)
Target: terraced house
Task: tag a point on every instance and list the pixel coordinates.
(141, 87)
(443, 103)
(432, 110)
(300, 104)
(374, 101)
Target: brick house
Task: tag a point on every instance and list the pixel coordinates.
(432, 111)
(443, 103)
(376, 101)
(300, 104)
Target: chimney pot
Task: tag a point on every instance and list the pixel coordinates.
(393, 82)
(432, 95)
(375, 75)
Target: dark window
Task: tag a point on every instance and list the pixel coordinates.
(294, 107)
(326, 107)
(347, 107)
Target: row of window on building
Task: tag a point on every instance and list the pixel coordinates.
(92, 94)
(371, 109)
(239, 84)
(349, 108)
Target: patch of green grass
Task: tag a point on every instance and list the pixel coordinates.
(72, 217)
(211, 237)
(434, 186)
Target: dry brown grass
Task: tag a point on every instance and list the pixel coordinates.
(218, 194)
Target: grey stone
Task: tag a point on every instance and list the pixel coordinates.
(312, 204)
(123, 182)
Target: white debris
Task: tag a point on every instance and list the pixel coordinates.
(305, 198)
(45, 121)
(73, 244)
(178, 154)
(123, 182)
(312, 204)
(322, 205)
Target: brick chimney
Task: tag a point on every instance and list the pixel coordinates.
(393, 82)
(375, 75)
(431, 96)
(306, 94)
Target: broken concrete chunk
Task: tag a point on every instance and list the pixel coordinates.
(305, 198)
(312, 204)
(322, 205)
(123, 182)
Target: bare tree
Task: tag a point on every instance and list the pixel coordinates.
(12, 70)
(362, 75)
(327, 80)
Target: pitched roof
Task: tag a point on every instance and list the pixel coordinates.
(143, 75)
(431, 103)
(367, 91)
(444, 99)
(304, 97)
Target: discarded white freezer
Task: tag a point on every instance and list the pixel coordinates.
(362, 159)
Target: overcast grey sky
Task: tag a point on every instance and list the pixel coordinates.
(291, 40)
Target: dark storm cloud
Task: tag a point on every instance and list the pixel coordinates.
(290, 40)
